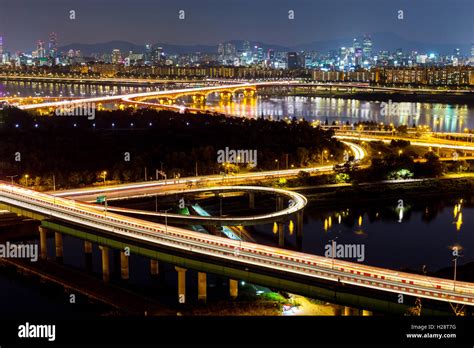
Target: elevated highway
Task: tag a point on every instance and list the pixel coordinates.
(250, 256)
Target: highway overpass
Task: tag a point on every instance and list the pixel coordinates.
(287, 264)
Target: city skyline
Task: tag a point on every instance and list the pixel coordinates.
(158, 22)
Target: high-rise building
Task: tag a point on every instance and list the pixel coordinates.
(157, 55)
(53, 45)
(358, 57)
(356, 44)
(2, 58)
(40, 50)
(116, 56)
(472, 50)
(230, 50)
(260, 55)
(246, 47)
(292, 60)
(221, 49)
(271, 54)
(148, 53)
(367, 49)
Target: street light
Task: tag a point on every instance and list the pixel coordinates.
(11, 177)
(333, 247)
(166, 218)
(104, 174)
(322, 156)
(26, 179)
(278, 164)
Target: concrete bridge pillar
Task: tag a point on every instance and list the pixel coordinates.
(299, 224)
(181, 284)
(202, 286)
(233, 288)
(154, 267)
(338, 310)
(87, 247)
(124, 267)
(226, 96)
(199, 98)
(43, 243)
(58, 242)
(281, 234)
(249, 93)
(105, 263)
(366, 313)
(349, 311)
(252, 200)
(299, 230)
(279, 203)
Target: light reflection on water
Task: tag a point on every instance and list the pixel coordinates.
(440, 117)
(423, 235)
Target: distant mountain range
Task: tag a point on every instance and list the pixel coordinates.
(381, 41)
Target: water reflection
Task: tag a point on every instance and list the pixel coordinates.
(440, 117)
(47, 89)
(419, 233)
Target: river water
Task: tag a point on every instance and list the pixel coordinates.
(440, 117)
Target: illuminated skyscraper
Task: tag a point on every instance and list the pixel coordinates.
(40, 49)
(292, 60)
(157, 56)
(148, 53)
(367, 47)
(230, 50)
(116, 56)
(53, 45)
(1, 49)
(246, 47)
(356, 44)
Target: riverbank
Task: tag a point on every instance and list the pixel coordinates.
(333, 195)
(411, 96)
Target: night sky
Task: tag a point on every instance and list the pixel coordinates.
(23, 22)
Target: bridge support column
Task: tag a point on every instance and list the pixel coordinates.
(58, 242)
(279, 203)
(233, 288)
(299, 230)
(349, 311)
(105, 263)
(154, 267)
(43, 243)
(251, 200)
(299, 224)
(124, 268)
(181, 284)
(202, 286)
(87, 247)
(338, 310)
(281, 234)
(366, 313)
